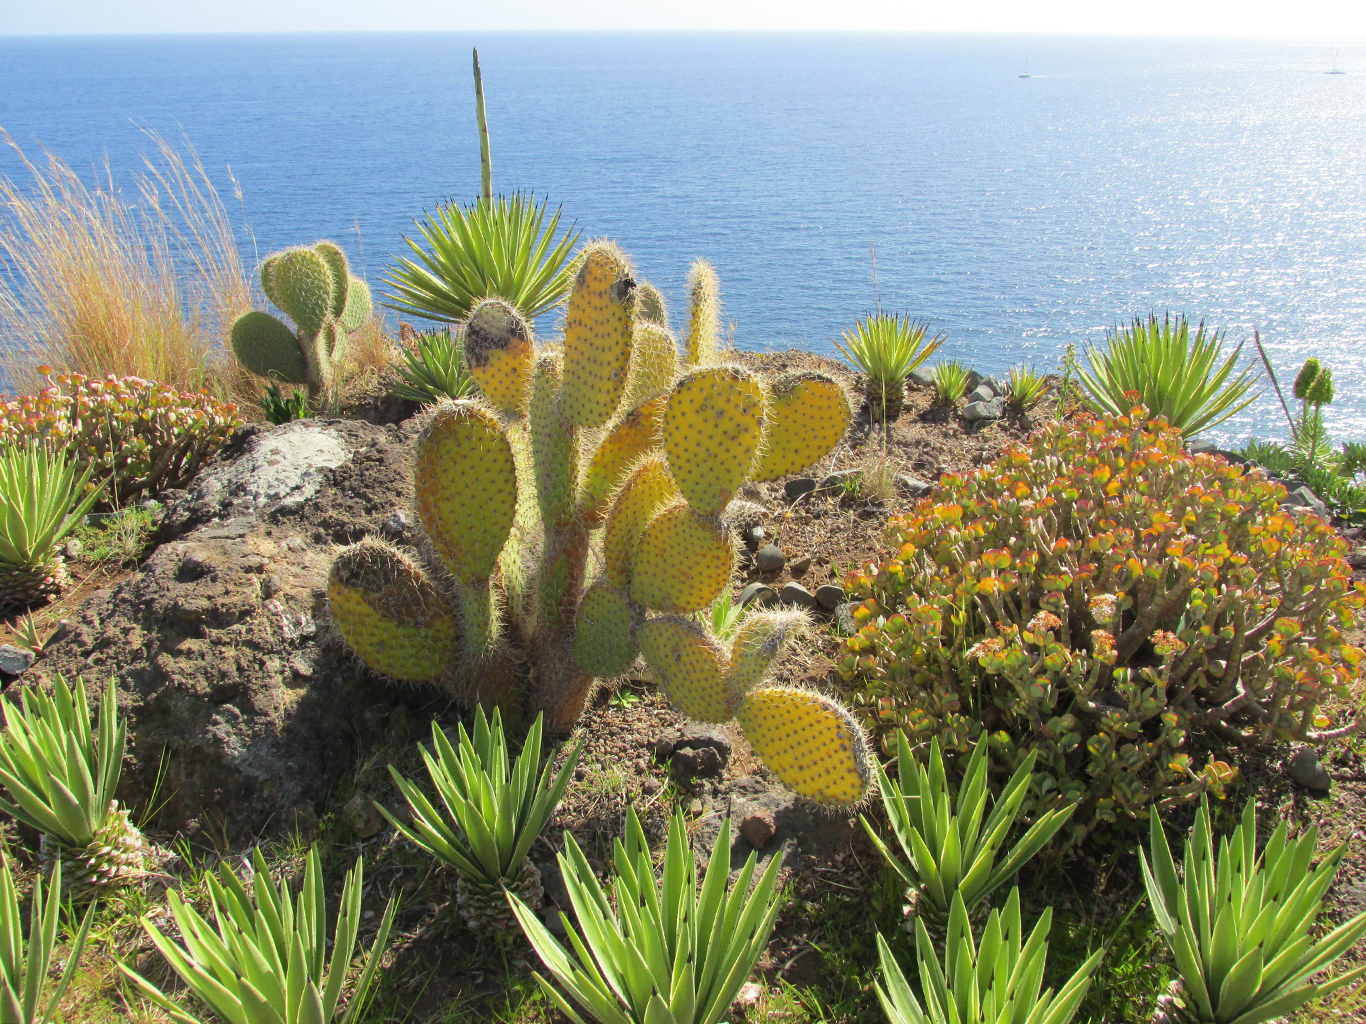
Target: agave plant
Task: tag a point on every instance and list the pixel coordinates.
(42, 499)
(434, 368)
(61, 780)
(887, 347)
(995, 982)
(950, 852)
(1173, 374)
(266, 960)
(493, 815)
(283, 407)
(1239, 927)
(1025, 386)
(504, 248)
(24, 965)
(950, 381)
(666, 954)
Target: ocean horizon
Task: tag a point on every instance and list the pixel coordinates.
(1222, 179)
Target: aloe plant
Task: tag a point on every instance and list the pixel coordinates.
(996, 981)
(1239, 926)
(950, 381)
(950, 852)
(24, 964)
(661, 953)
(887, 347)
(434, 368)
(1025, 386)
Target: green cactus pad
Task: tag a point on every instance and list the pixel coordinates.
(465, 487)
(268, 279)
(554, 447)
(390, 614)
(597, 336)
(302, 280)
(268, 348)
(703, 344)
(358, 305)
(648, 488)
(637, 433)
(808, 414)
(690, 665)
(712, 428)
(341, 275)
(682, 562)
(811, 742)
(654, 364)
(762, 636)
(603, 644)
(650, 305)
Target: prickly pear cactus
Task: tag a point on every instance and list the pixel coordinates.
(314, 285)
(599, 452)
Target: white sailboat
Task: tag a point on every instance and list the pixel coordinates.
(1026, 70)
(1335, 70)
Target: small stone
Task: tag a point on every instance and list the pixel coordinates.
(844, 618)
(830, 596)
(974, 378)
(696, 735)
(695, 806)
(982, 393)
(554, 923)
(365, 819)
(922, 377)
(749, 995)
(839, 481)
(270, 586)
(73, 548)
(1305, 769)
(794, 489)
(770, 559)
(755, 534)
(798, 596)
(663, 746)
(914, 486)
(758, 828)
(650, 787)
(798, 567)
(1201, 446)
(396, 525)
(1305, 498)
(194, 566)
(15, 661)
(1357, 559)
(991, 410)
(149, 504)
(998, 386)
(696, 763)
(761, 594)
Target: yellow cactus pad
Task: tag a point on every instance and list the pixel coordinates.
(811, 742)
(390, 614)
(640, 431)
(712, 427)
(499, 351)
(807, 416)
(682, 561)
(759, 640)
(597, 336)
(648, 488)
(691, 667)
(465, 486)
(554, 447)
(704, 314)
(603, 644)
(654, 363)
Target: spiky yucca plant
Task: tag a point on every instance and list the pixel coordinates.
(666, 953)
(493, 815)
(434, 368)
(42, 499)
(996, 981)
(1174, 375)
(61, 780)
(1025, 386)
(1239, 927)
(24, 964)
(264, 961)
(887, 347)
(950, 381)
(950, 853)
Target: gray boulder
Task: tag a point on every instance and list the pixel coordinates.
(992, 410)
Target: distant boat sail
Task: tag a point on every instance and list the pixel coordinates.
(1334, 70)
(1026, 73)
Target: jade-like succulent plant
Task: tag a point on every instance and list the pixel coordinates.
(326, 302)
(504, 595)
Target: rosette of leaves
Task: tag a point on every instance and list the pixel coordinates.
(147, 437)
(24, 962)
(1118, 605)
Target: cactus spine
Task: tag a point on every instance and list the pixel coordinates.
(512, 489)
(315, 287)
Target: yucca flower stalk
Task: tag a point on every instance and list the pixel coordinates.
(996, 981)
(1026, 386)
(1239, 927)
(502, 248)
(265, 960)
(61, 779)
(42, 499)
(667, 953)
(950, 381)
(24, 964)
(434, 368)
(950, 850)
(887, 347)
(1174, 375)
(493, 814)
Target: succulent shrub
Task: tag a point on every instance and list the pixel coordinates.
(278, 407)
(314, 285)
(1025, 386)
(147, 437)
(950, 381)
(887, 347)
(1120, 606)
(434, 368)
(1173, 374)
(604, 432)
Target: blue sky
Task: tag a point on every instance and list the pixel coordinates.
(1325, 20)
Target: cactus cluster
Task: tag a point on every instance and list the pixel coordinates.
(1121, 606)
(314, 285)
(573, 519)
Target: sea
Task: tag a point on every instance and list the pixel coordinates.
(824, 175)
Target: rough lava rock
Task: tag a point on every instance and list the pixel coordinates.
(227, 665)
(1306, 769)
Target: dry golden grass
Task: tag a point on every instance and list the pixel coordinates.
(96, 281)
